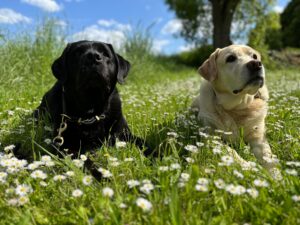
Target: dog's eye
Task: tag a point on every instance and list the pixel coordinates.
(231, 58)
(254, 56)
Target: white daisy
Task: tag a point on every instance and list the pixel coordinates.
(108, 192)
(191, 148)
(133, 183)
(77, 193)
(144, 204)
(87, 180)
(220, 184)
(201, 187)
(23, 189)
(260, 183)
(38, 174)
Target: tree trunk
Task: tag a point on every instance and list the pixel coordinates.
(222, 12)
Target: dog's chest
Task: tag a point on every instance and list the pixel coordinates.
(250, 119)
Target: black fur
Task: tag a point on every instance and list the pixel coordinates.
(88, 71)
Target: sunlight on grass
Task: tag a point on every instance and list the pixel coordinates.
(194, 182)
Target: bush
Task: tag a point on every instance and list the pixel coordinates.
(267, 33)
(290, 23)
(194, 57)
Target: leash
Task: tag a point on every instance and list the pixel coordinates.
(58, 141)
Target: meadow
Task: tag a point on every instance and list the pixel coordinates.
(194, 181)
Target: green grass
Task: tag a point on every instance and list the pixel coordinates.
(155, 99)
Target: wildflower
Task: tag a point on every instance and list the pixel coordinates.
(172, 134)
(3, 176)
(185, 177)
(252, 192)
(78, 163)
(70, 173)
(175, 166)
(291, 172)
(47, 128)
(43, 183)
(77, 193)
(296, 198)
(227, 160)
(107, 192)
(23, 189)
(147, 188)
(260, 183)
(293, 163)
(189, 160)
(203, 181)
(34, 165)
(217, 150)
(144, 204)
(46, 158)
(121, 144)
(181, 184)
(9, 148)
(48, 141)
(59, 177)
(105, 173)
(123, 205)
(128, 159)
(201, 187)
(87, 180)
(219, 183)
(235, 189)
(38, 174)
(83, 157)
(209, 170)
(199, 144)
(49, 163)
(133, 183)
(23, 200)
(163, 168)
(191, 148)
(271, 159)
(238, 174)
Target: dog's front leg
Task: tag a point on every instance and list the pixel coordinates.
(262, 151)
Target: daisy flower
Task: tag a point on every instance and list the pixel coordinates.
(144, 204)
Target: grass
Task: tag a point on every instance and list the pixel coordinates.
(155, 99)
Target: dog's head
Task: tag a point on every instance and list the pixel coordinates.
(236, 69)
(90, 64)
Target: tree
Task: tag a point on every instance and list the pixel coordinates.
(267, 33)
(197, 16)
(290, 24)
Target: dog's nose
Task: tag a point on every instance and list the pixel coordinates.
(93, 58)
(254, 65)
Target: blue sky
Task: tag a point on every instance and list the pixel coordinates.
(103, 20)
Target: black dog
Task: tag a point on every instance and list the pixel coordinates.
(84, 105)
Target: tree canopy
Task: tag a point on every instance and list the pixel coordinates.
(217, 21)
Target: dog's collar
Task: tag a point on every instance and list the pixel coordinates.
(78, 120)
(58, 141)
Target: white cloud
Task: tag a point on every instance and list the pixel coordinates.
(114, 25)
(96, 33)
(186, 47)
(46, 5)
(9, 16)
(278, 9)
(61, 23)
(172, 27)
(158, 45)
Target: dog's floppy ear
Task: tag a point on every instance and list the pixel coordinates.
(59, 67)
(208, 70)
(123, 66)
